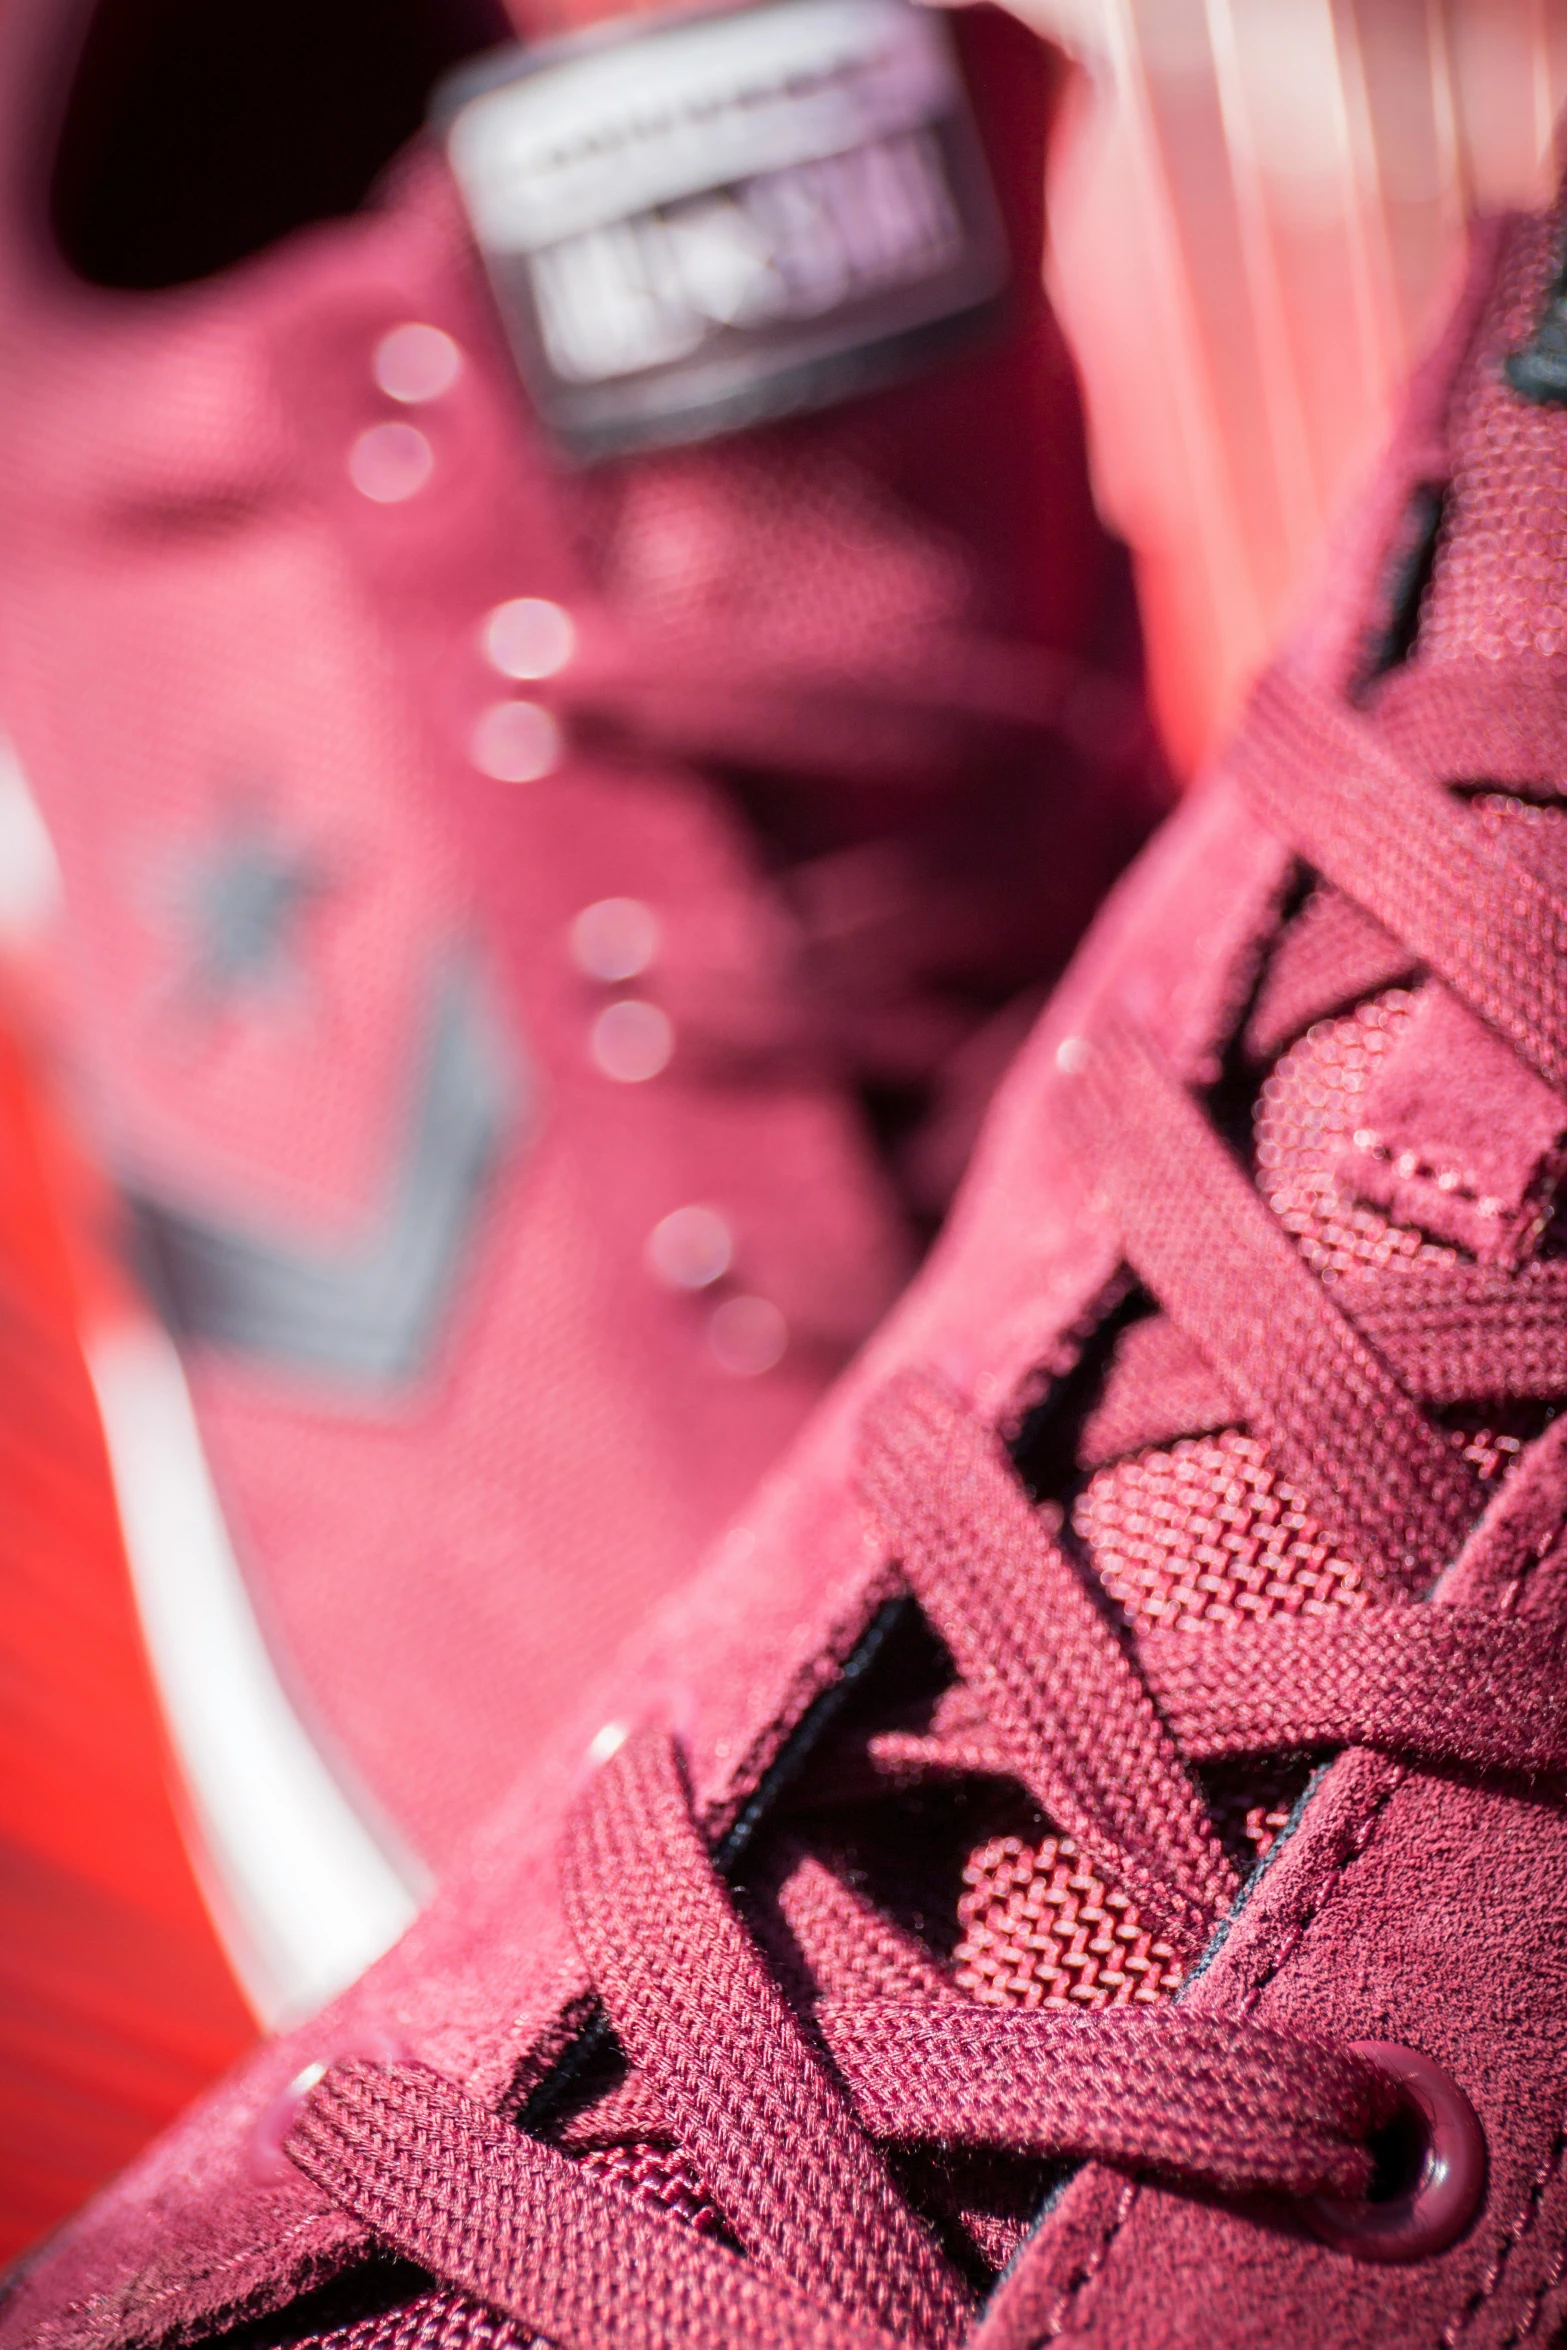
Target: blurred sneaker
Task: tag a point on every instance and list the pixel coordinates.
(503, 906)
(116, 2006)
(1087, 1857)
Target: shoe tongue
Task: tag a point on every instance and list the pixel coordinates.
(1498, 587)
(1405, 1128)
(1391, 1129)
(1459, 1138)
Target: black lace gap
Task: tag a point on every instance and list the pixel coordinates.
(579, 2065)
(375, 2289)
(1537, 370)
(1044, 1448)
(1407, 572)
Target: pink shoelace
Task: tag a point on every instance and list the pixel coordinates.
(783, 2111)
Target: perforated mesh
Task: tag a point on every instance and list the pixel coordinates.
(1206, 1532)
(1250, 1804)
(1203, 1533)
(1040, 1929)
(794, 540)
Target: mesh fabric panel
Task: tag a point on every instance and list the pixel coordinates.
(1206, 1532)
(1040, 1929)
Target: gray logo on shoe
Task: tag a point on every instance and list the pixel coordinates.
(245, 901)
(364, 1311)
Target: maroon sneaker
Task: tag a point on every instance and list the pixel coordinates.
(1087, 1858)
(495, 897)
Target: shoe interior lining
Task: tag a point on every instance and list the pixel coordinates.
(196, 135)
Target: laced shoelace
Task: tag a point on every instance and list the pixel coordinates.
(784, 2114)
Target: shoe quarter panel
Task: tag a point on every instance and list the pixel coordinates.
(1408, 1906)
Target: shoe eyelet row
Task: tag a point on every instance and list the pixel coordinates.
(525, 639)
(631, 1041)
(412, 363)
(515, 742)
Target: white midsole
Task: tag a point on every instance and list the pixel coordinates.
(303, 1894)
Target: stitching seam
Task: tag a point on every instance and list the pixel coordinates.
(1354, 1847)
(1092, 2266)
(1513, 2235)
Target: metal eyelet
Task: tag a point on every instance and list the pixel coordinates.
(269, 2165)
(1424, 2217)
